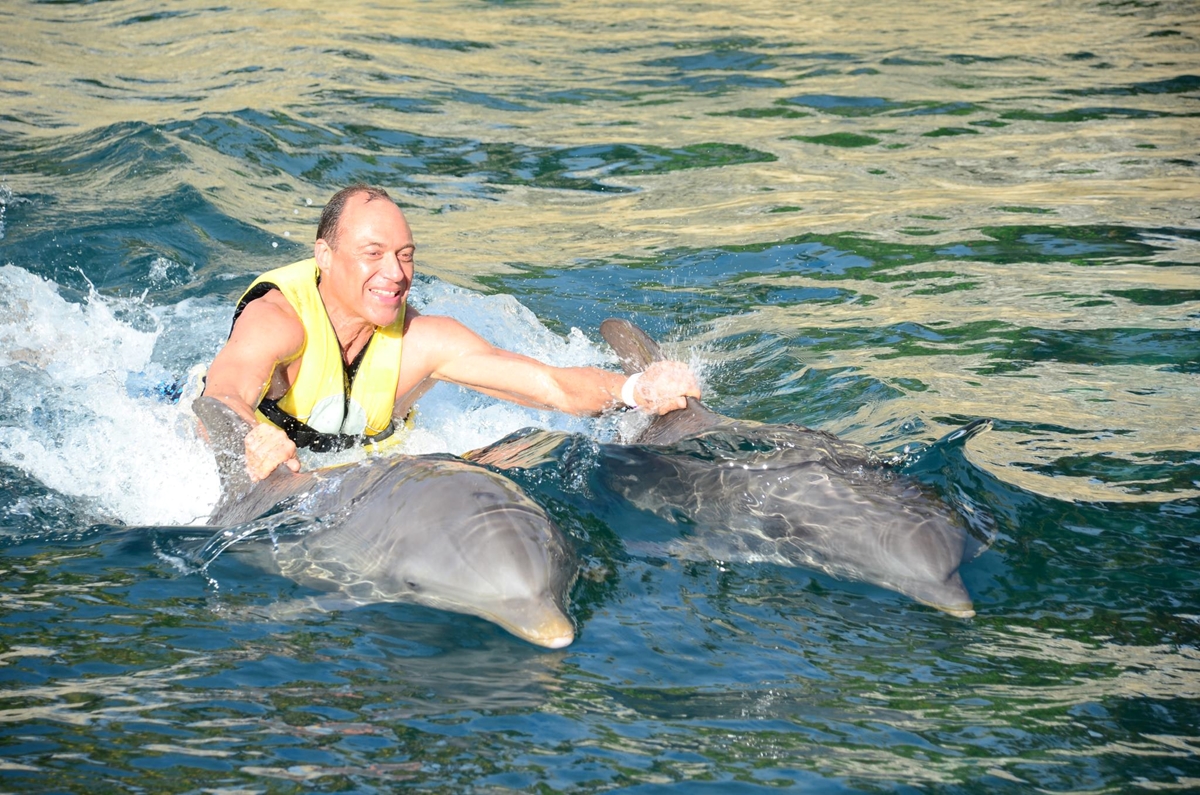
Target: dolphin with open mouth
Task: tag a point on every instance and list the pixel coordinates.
(434, 530)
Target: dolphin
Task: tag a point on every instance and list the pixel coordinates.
(753, 492)
(434, 530)
(792, 495)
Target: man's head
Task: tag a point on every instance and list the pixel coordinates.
(364, 251)
(331, 216)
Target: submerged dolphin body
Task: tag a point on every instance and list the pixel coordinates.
(791, 495)
(434, 530)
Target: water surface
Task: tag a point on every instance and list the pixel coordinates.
(880, 220)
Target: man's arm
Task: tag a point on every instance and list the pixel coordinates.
(267, 334)
(448, 351)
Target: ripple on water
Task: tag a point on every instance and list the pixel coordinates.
(885, 223)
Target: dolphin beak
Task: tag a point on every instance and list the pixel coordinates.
(956, 611)
(542, 625)
(556, 639)
(950, 597)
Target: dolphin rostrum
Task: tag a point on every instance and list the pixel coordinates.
(435, 530)
(785, 494)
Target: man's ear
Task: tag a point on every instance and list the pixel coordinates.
(323, 254)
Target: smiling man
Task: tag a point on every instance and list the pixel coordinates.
(314, 357)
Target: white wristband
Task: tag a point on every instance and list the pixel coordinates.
(627, 390)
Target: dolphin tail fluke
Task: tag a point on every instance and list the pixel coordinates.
(632, 345)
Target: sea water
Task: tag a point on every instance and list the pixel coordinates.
(875, 219)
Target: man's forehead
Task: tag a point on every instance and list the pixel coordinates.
(374, 218)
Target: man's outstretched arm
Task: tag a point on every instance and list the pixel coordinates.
(451, 352)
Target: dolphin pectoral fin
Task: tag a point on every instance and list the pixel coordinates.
(959, 436)
(295, 609)
(632, 345)
(524, 449)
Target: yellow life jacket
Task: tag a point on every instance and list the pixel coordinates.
(330, 406)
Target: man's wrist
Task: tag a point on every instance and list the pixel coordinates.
(627, 395)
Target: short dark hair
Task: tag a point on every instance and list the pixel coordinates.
(331, 216)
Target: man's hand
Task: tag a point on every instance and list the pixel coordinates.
(266, 448)
(665, 386)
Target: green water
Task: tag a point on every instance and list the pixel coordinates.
(880, 220)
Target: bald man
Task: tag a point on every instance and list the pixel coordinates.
(314, 357)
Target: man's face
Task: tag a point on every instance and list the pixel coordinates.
(368, 276)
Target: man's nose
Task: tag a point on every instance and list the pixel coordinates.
(393, 268)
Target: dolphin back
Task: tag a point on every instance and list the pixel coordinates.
(637, 351)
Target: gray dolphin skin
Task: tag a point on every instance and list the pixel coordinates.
(434, 530)
(789, 495)
(784, 494)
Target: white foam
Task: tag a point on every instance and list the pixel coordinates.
(6, 197)
(70, 419)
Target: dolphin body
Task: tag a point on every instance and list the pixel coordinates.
(785, 494)
(434, 530)
(792, 495)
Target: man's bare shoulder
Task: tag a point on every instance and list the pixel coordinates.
(438, 330)
(272, 321)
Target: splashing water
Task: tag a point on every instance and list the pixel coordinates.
(84, 386)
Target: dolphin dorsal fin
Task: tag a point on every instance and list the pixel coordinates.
(632, 345)
(637, 351)
(226, 438)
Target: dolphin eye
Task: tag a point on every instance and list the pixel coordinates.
(412, 586)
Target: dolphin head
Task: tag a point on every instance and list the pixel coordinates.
(436, 530)
(503, 561)
(454, 536)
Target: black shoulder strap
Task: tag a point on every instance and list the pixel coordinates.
(253, 294)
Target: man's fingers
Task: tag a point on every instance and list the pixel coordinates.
(266, 448)
(668, 405)
(665, 386)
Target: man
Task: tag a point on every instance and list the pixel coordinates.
(314, 357)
